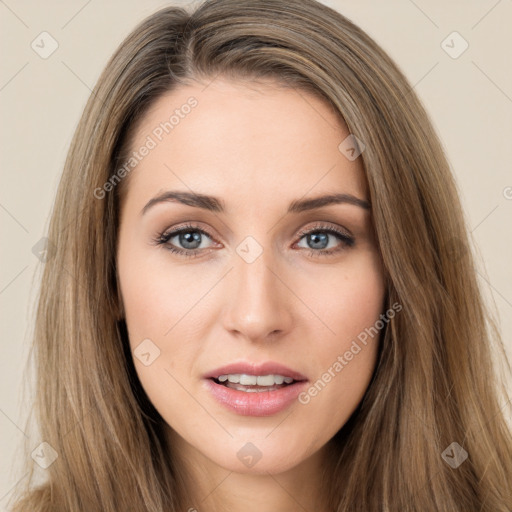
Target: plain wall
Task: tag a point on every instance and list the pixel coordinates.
(469, 99)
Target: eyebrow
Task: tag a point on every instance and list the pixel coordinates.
(214, 204)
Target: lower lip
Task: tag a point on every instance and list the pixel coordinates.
(261, 403)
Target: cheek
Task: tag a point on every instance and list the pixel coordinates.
(350, 304)
(150, 303)
(154, 295)
(348, 299)
(155, 304)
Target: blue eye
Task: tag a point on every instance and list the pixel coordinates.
(318, 240)
(190, 238)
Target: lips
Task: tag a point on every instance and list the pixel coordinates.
(249, 400)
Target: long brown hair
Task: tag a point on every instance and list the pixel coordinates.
(434, 383)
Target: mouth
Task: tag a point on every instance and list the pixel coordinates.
(254, 383)
(255, 389)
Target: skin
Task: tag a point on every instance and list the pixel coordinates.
(257, 147)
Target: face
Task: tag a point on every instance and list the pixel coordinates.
(255, 280)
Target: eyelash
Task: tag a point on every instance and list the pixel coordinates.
(162, 239)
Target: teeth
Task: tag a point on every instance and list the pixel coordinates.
(248, 380)
(254, 380)
(267, 380)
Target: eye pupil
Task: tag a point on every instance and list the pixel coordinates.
(186, 239)
(319, 240)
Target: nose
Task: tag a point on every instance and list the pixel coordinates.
(259, 304)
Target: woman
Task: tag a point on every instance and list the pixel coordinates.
(262, 293)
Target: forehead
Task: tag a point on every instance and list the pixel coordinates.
(243, 140)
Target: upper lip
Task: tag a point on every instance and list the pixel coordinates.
(248, 368)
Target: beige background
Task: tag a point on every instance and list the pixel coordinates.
(469, 99)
